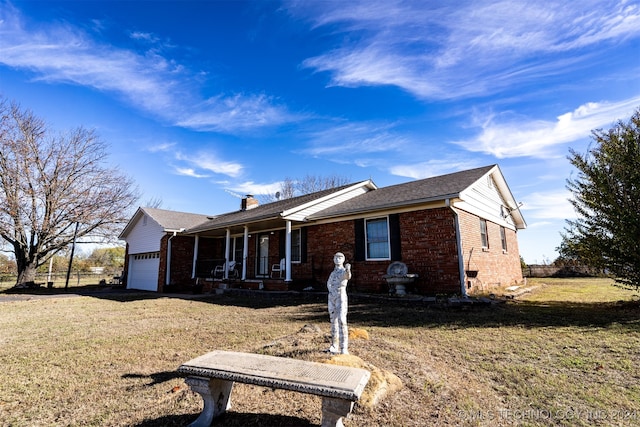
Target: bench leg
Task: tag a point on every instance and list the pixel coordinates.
(216, 395)
(333, 410)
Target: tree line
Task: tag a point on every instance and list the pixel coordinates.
(111, 259)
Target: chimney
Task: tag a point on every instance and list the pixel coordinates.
(249, 202)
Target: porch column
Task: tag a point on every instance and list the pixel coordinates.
(287, 252)
(167, 279)
(245, 252)
(227, 243)
(195, 255)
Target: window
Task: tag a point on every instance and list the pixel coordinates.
(503, 237)
(238, 248)
(483, 233)
(296, 245)
(377, 238)
(149, 255)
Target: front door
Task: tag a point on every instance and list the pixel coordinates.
(263, 255)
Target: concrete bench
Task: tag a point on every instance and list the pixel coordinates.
(213, 374)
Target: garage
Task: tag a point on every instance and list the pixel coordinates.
(143, 271)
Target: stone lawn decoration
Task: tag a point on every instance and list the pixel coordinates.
(337, 286)
(398, 278)
(213, 374)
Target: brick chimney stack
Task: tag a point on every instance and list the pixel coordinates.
(249, 202)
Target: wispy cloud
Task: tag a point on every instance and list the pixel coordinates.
(394, 42)
(161, 148)
(547, 206)
(151, 82)
(431, 168)
(206, 161)
(509, 135)
(146, 37)
(189, 172)
(237, 113)
(350, 140)
(250, 187)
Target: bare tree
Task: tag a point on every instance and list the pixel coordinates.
(309, 184)
(312, 183)
(55, 189)
(154, 202)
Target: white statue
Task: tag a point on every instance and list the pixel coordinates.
(337, 286)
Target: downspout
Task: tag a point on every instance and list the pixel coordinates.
(167, 278)
(463, 288)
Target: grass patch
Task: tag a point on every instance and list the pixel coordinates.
(565, 354)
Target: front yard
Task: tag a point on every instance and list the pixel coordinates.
(564, 354)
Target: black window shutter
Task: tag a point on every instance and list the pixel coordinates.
(303, 244)
(394, 237)
(282, 235)
(359, 243)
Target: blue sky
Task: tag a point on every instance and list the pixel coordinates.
(201, 102)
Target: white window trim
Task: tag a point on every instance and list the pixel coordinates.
(503, 240)
(485, 248)
(366, 243)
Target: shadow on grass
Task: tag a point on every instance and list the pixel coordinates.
(156, 378)
(105, 292)
(624, 315)
(394, 313)
(240, 297)
(391, 312)
(514, 313)
(231, 419)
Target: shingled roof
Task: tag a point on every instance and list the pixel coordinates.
(414, 192)
(168, 220)
(262, 212)
(172, 220)
(438, 188)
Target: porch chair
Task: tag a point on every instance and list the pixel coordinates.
(278, 269)
(234, 268)
(219, 270)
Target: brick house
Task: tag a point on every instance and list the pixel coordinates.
(457, 232)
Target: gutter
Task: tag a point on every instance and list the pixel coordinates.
(385, 206)
(463, 288)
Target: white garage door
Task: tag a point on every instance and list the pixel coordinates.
(143, 272)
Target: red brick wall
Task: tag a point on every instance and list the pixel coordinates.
(162, 268)
(494, 267)
(181, 262)
(125, 268)
(428, 247)
(323, 241)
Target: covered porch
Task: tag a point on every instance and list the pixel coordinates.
(266, 256)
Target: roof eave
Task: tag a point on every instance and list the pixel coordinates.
(390, 206)
(222, 225)
(368, 183)
(130, 224)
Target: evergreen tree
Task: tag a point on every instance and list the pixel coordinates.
(606, 198)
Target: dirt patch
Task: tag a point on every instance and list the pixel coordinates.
(310, 343)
